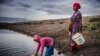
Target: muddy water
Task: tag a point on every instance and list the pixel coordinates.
(17, 44)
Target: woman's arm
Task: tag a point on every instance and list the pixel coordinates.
(79, 19)
(70, 27)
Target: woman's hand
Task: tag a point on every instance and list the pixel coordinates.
(40, 54)
(69, 33)
(35, 54)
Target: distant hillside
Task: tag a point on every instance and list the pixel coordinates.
(12, 20)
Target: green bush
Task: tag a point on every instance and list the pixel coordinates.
(92, 26)
(98, 37)
(60, 22)
(40, 22)
(95, 19)
(52, 22)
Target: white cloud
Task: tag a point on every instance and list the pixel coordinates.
(44, 9)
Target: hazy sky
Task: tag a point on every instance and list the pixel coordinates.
(46, 9)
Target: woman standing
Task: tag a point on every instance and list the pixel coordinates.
(75, 25)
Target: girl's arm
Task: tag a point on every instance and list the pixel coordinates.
(42, 47)
(38, 48)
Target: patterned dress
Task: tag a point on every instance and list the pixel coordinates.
(75, 25)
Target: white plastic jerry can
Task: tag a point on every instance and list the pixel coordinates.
(78, 39)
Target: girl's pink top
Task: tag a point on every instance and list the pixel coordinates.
(43, 42)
